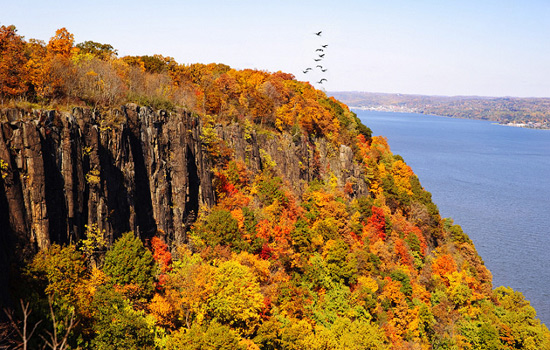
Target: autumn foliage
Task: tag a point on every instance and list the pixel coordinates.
(266, 266)
(13, 72)
(90, 73)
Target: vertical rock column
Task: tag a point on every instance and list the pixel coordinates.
(157, 156)
(69, 159)
(35, 190)
(16, 211)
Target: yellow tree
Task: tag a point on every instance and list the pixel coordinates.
(63, 273)
(402, 173)
(403, 321)
(189, 286)
(236, 299)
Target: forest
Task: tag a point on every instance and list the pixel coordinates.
(270, 264)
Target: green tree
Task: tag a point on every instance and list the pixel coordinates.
(361, 335)
(481, 334)
(519, 317)
(268, 336)
(117, 325)
(341, 263)
(154, 64)
(347, 334)
(270, 189)
(129, 264)
(101, 51)
(220, 227)
(295, 334)
(398, 275)
(301, 236)
(209, 336)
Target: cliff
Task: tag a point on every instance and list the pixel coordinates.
(289, 227)
(133, 169)
(275, 220)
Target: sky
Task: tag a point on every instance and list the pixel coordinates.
(429, 47)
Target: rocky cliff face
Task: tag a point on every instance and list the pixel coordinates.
(133, 169)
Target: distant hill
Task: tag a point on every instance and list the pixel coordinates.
(528, 112)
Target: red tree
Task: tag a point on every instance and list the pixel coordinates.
(163, 257)
(378, 222)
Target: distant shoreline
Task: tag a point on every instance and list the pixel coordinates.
(399, 109)
(529, 125)
(531, 113)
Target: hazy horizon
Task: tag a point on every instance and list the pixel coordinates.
(427, 47)
(430, 95)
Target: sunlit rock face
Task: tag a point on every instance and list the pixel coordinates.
(135, 169)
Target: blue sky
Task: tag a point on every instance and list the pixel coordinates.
(489, 48)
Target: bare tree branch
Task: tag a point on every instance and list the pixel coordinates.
(21, 327)
(6, 335)
(68, 324)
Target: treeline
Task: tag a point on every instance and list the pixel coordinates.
(500, 109)
(60, 73)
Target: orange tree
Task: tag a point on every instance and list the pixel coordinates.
(13, 72)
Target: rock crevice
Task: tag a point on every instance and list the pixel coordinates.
(134, 169)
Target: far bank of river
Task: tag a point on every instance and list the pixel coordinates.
(493, 181)
(402, 109)
(528, 125)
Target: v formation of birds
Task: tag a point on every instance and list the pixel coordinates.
(319, 56)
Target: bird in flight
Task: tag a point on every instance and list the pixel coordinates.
(319, 33)
(319, 66)
(323, 70)
(323, 55)
(319, 50)
(307, 70)
(321, 81)
(324, 46)
(317, 59)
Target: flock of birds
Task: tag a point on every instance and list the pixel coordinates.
(320, 55)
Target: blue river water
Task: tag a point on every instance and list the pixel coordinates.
(492, 180)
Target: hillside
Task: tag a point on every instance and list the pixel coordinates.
(203, 207)
(513, 111)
